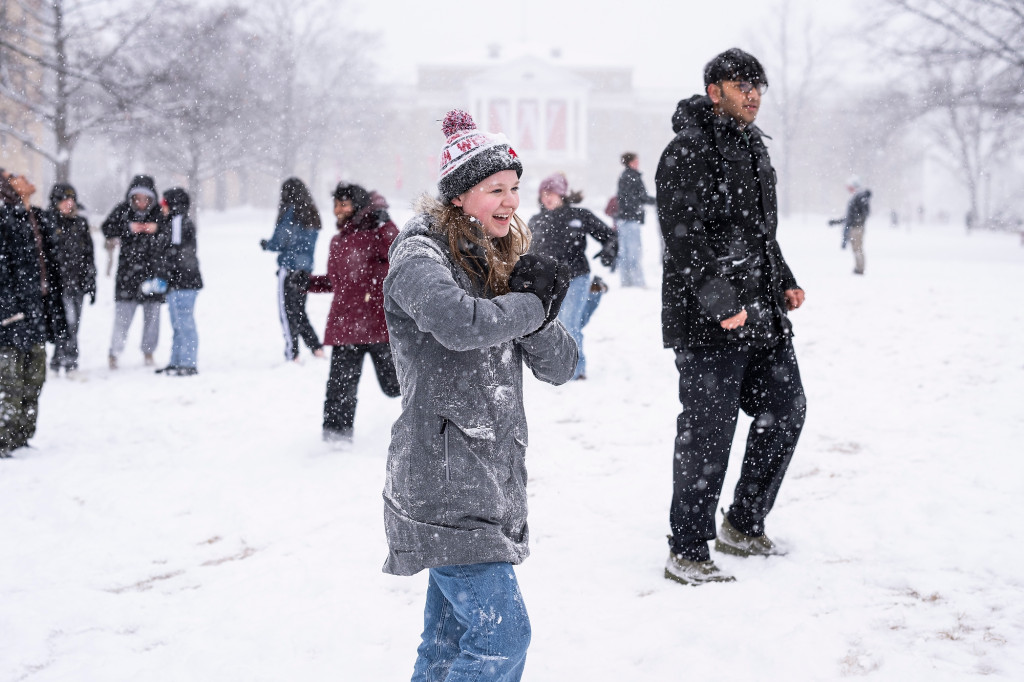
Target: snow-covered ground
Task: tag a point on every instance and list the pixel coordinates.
(198, 529)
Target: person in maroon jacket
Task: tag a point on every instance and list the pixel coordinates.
(356, 266)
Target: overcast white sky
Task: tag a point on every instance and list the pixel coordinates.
(667, 41)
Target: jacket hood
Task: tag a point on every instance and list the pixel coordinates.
(142, 184)
(695, 111)
(369, 217)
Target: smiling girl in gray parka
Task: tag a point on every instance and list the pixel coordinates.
(465, 310)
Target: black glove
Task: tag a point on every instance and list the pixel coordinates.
(545, 278)
(264, 244)
(92, 297)
(608, 253)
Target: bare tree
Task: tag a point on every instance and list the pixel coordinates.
(795, 53)
(83, 75)
(198, 115)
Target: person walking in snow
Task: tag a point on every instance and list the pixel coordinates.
(141, 266)
(632, 197)
(298, 225)
(26, 277)
(726, 291)
(183, 283)
(560, 231)
(356, 267)
(76, 259)
(857, 210)
(466, 308)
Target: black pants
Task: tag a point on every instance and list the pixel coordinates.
(22, 373)
(343, 382)
(714, 384)
(293, 285)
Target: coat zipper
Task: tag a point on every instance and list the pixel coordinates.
(444, 431)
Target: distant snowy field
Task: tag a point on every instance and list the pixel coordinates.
(168, 529)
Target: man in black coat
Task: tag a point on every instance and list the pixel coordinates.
(24, 284)
(857, 211)
(725, 296)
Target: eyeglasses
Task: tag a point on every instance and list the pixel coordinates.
(746, 87)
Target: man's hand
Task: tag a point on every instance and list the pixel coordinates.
(794, 298)
(737, 320)
(140, 228)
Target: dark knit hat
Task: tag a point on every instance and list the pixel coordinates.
(470, 156)
(359, 197)
(62, 191)
(734, 65)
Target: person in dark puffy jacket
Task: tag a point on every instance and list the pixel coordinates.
(298, 226)
(356, 267)
(141, 278)
(560, 231)
(24, 282)
(76, 259)
(183, 283)
(726, 294)
(466, 308)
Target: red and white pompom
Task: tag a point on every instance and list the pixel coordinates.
(457, 121)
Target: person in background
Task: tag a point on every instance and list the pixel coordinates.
(76, 259)
(356, 267)
(183, 283)
(560, 231)
(298, 225)
(726, 291)
(629, 219)
(466, 308)
(857, 211)
(24, 283)
(141, 266)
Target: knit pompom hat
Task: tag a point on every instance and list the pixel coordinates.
(470, 156)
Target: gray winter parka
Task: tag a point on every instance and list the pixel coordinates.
(455, 491)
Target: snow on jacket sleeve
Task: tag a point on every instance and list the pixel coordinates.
(283, 233)
(421, 284)
(686, 202)
(551, 354)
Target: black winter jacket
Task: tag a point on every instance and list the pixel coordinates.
(632, 196)
(23, 319)
(717, 206)
(73, 252)
(182, 256)
(143, 256)
(562, 235)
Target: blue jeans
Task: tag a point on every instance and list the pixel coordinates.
(630, 250)
(185, 343)
(577, 307)
(475, 626)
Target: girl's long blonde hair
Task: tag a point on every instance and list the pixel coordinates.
(462, 231)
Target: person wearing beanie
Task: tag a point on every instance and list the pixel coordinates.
(76, 260)
(466, 309)
(183, 283)
(857, 211)
(560, 231)
(632, 196)
(726, 297)
(294, 240)
(141, 266)
(356, 267)
(27, 278)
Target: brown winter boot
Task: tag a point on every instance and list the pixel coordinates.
(112, 361)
